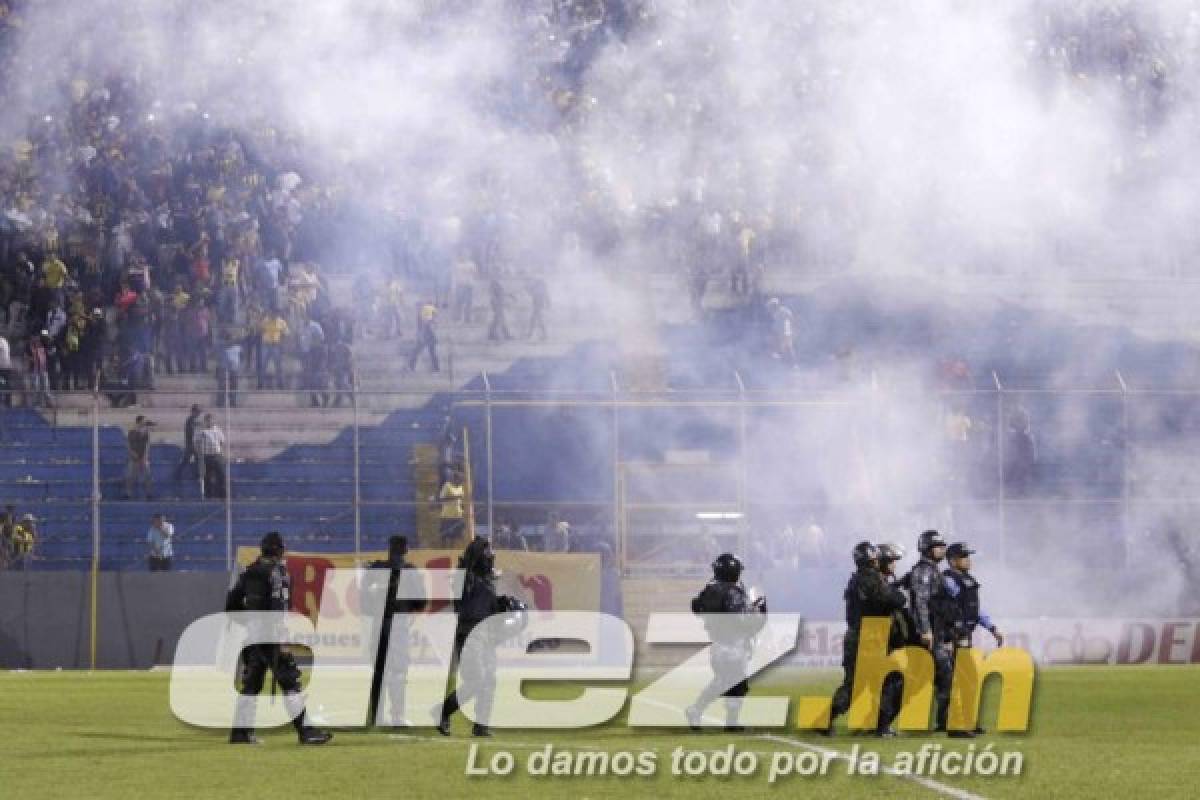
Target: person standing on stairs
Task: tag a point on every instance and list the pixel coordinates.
(426, 336)
(189, 445)
(539, 298)
(498, 330)
(138, 449)
(210, 446)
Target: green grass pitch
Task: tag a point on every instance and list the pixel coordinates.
(1125, 732)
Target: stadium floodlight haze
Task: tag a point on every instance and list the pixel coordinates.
(638, 397)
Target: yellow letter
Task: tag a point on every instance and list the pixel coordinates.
(1015, 667)
(872, 666)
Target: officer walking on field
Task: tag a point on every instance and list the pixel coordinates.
(867, 594)
(966, 614)
(265, 586)
(477, 665)
(893, 685)
(732, 619)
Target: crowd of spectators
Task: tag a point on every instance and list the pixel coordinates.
(140, 238)
(130, 246)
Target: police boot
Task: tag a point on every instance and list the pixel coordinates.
(693, 718)
(314, 736)
(243, 721)
(480, 730)
(886, 732)
(961, 734)
(306, 733)
(448, 708)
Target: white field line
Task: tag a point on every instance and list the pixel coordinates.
(928, 783)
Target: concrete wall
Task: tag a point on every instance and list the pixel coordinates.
(45, 618)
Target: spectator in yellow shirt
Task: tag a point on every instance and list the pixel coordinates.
(55, 273)
(452, 516)
(273, 328)
(24, 536)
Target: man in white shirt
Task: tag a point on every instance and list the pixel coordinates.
(160, 538)
(210, 446)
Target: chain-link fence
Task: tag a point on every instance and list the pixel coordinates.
(658, 480)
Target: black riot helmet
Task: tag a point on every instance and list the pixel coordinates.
(397, 548)
(478, 558)
(929, 540)
(864, 553)
(889, 552)
(272, 544)
(727, 567)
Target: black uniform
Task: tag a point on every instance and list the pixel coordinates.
(732, 637)
(867, 594)
(898, 637)
(965, 614)
(932, 614)
(478, 601)
(392, 672)
(265, 586)
(965, 611)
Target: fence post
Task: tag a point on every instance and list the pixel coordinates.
(743, 523)
(95, 577)
(1000, 494)
(228, 478)
(468, 484)
(1126, 444)
(357, 472)
(487, 398)
(616, 466)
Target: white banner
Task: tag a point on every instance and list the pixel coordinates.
(1049, 641)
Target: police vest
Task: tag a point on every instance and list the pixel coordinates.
(853, 605)
(861, 601)
(711, 599)
(942, 607)
(730, 620)
(967, 602)
(267, 586)
(478, 601)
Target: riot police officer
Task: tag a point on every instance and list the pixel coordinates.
(893, 685)
(477, 602)
(265, 586)
(392, 672)
(931, 616)
(966, 612)
(867, 594)
(731, 619)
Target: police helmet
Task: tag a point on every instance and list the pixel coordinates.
(958, 550)
(727, 567)
(865, 553)
(478, 558)
(889, 551)
(930, 539)
(397, 546)
(272, 544)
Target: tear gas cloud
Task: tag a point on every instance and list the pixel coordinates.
(938, 142)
